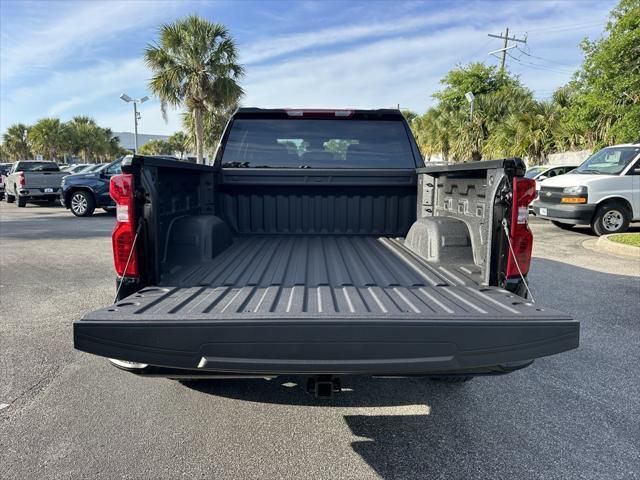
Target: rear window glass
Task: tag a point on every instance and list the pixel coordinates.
(314, 143)
(37, 167)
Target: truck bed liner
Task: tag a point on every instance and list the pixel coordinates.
(319, 277)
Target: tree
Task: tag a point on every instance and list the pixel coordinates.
(15, 142)
(156, 147)
(195, 65)
(475, 77)
(213, 120)
(449, 129)
(409, 115)
(49, 137)
(180, 143)
(609, 80)
(92, 141)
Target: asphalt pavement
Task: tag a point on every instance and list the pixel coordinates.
(67, 414)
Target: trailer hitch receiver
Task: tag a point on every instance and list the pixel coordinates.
(323, 385)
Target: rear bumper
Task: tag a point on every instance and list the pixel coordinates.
(39, 193)
(575, 214)
(370, 347)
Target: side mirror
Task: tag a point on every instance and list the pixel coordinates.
(636, 171)
(542, 177)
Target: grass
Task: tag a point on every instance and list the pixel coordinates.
(632, 239)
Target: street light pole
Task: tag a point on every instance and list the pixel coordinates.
(136, 116)
(471, 98)
(135, 126)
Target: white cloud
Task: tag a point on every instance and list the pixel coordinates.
(406, 69)
(75, 31)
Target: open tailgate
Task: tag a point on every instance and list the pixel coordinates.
(396, 330)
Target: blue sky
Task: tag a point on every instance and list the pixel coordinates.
(75, 58)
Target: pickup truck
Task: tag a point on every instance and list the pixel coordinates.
(603, 192)
(318, 244)
(4, 171)
(33, 180)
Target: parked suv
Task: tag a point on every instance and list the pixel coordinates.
(82, 193)
(603, 192)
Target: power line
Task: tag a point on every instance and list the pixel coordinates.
(506, 47)
(538, 66)
(544, 59)
(560, 28)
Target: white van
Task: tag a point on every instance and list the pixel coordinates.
(603, 192)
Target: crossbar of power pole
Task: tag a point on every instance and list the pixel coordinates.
(506, 47)
(514, 39)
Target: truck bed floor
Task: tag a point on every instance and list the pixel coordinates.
(315, 277)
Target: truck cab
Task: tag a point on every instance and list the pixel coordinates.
(603, 192)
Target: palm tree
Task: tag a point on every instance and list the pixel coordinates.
(15, 142)
(156, 147)
(89, 139)
(195, 64)
(213, 120)
(48, 137)
(180, 143)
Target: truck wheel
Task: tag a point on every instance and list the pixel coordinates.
(451, 378)
(22, 201)
(82, 204)
(10, 198)
(611, 218)
(564, 226)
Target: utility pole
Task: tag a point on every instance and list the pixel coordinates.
(506, 47)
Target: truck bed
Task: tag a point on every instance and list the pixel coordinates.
(332, 304)
(337, 275)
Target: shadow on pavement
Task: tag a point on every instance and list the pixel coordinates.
(358, 391)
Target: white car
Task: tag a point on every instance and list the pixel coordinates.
(542, 172)
(603, 192)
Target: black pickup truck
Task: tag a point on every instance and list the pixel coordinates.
(319, 244)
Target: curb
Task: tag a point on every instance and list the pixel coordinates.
(605, 245)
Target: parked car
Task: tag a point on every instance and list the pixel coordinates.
(363, 262)
(603, 192)
(542, 172)
(83, 192)
(90, 167)
(76, 168)
(4, 171)
(33, 181)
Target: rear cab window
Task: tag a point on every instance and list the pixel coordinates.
(332, 142)
(37, 167)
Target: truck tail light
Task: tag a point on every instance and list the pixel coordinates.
(21, 179)
(124, 255)
(524, 191)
